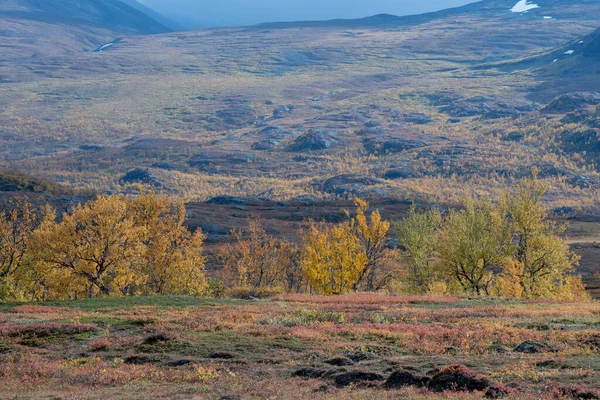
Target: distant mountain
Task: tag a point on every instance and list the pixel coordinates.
(32, 28)
(508, 10)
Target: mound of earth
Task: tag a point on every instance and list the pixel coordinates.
(357, 378)
(530, 347)
(147, 176)
(313, 140)
(460, 378)
(266, 144)
(571, 102)
(309, 373)
(403, 378)
(237, 115)
(384, 144)
(484, 106)
(349, 184)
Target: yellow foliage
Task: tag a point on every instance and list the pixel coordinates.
(258, 260)
(332, 258)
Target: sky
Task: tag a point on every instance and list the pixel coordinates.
(211, 13)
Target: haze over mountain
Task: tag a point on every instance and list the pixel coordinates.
(212, 13)
(51, 27)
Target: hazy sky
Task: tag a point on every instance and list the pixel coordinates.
(245, 12)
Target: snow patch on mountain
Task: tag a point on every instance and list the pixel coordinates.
(524, 6)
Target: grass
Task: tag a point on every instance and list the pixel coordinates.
(217, 347)
(157, 302)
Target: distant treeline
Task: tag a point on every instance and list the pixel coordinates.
(117, 246)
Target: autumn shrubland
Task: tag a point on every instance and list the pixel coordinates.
(119, 246)
(173, 347)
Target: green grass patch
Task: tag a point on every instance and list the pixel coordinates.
(128, 302)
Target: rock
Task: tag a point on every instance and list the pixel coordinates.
(241, 158)
(339, 362)
(146, 176)
(309, 373)
(266, 144)
(281, 111)
(403, 378)
(384, 144)
(460, 378)
(349, 184)
(313, 140)
(359, 378)
(530, 347)
(221, 355)
(572, 101)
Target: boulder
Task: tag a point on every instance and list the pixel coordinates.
(314, 140)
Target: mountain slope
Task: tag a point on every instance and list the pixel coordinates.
(572, 67)
(34, 28)
(155, 15)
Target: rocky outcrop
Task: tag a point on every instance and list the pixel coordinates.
(572, 102)
(313, 140)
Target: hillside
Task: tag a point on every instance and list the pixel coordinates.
(570, 68)
(388, 106)
(40, 28)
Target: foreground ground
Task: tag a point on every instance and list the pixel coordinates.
(229, 349)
